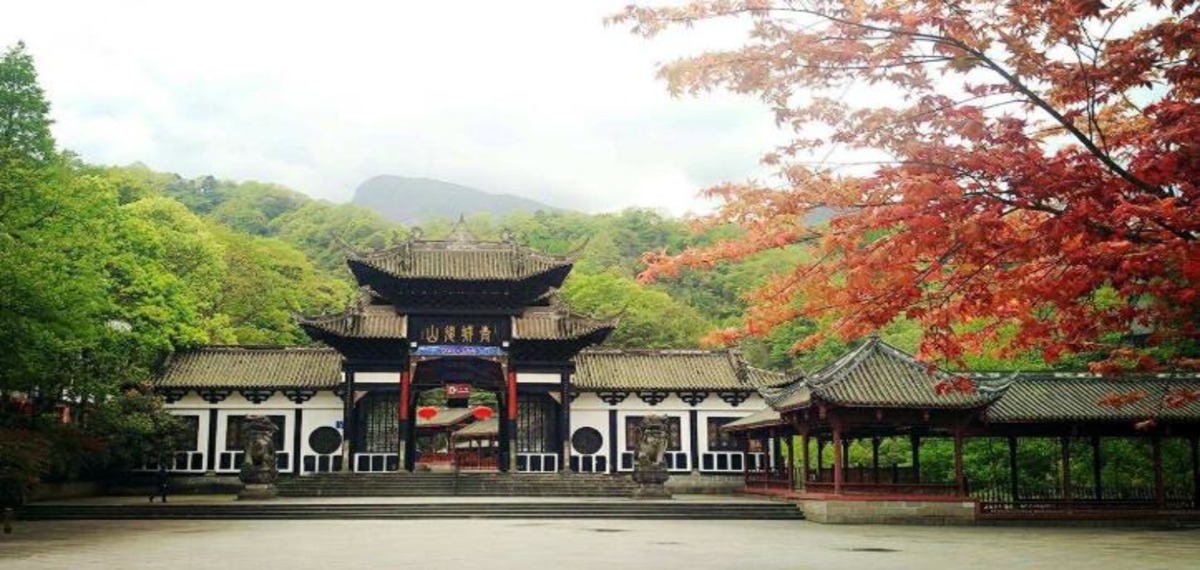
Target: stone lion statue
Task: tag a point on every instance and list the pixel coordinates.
(258, 441)
(652, 446)
(650, 467)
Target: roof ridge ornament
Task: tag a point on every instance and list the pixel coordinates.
(459, 232)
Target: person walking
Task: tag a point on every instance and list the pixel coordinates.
(161, 479)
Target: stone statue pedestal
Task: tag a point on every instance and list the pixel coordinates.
(650, 481)
(258, 492)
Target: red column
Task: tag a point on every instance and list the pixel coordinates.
(806, 460)
(959, 480)
(1195, 471)
(837, 458)
(511, 418)
(402, 413)
(1067, 490)
(405, 384)
(1160, 497)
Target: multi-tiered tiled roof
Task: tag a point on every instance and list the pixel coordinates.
(457, 275)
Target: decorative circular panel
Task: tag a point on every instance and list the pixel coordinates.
(325, 440)
(587, 440)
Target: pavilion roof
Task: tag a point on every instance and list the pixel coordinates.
(252, 367)
(445, 417)
(879, 375)
(763, 418)
(667, 370)
(480, 429)
(460, 257)
(1032, 398)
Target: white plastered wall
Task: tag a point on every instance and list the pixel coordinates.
(589, 410)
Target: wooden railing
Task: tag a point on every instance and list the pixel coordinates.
(780, 479)
(1031, 498)
(937, 489)
(476, 460)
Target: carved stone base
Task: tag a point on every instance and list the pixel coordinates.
(650, 491)
(650, 479)
(258, 492)
(252, 475)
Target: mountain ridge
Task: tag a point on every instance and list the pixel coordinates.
(408, 200)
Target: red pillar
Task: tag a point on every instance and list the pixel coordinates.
(875, 460)
(791, 460)
(804, 451)
(402, 414)
(1195, 471)
(915, 440)
(959, 479)
(837, 458)
(820, 459)
(1160, 497)
(1066, 470)
(511, 418)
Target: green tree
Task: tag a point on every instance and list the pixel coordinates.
(649, 318)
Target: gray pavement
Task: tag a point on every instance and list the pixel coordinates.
(585, 544)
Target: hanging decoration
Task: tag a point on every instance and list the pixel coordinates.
(482, 413)
(426, 412)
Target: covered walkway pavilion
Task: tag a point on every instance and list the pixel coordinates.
(877, 394)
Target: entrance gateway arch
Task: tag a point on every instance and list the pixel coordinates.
(452, 312)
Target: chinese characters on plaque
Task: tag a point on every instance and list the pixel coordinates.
(458, 334)
(487, 332)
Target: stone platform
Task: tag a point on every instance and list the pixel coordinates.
(872, 509)
(226, 507)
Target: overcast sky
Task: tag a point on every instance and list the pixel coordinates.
(538, 99)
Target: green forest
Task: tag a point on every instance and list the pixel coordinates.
(105, 271)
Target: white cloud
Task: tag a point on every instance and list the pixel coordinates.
(531, 98)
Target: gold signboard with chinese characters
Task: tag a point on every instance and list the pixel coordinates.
(459, 330)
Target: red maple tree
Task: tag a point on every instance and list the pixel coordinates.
(1027, 167)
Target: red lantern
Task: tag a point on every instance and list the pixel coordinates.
(482, 413)
(426, 412)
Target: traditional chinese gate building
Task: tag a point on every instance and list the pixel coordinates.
(476, 324)
(452, 312)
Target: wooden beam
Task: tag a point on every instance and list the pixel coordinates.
(1097, 463)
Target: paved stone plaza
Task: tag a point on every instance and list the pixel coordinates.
(600, 544)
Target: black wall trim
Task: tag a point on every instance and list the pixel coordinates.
(297, 431)
(613, 458)
(694, 421)
(212, 439)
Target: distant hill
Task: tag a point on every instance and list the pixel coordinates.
(410, 200)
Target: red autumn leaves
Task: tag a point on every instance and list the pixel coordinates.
(1031, 180)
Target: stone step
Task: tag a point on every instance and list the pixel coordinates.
(558, 510)
(449, 484)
